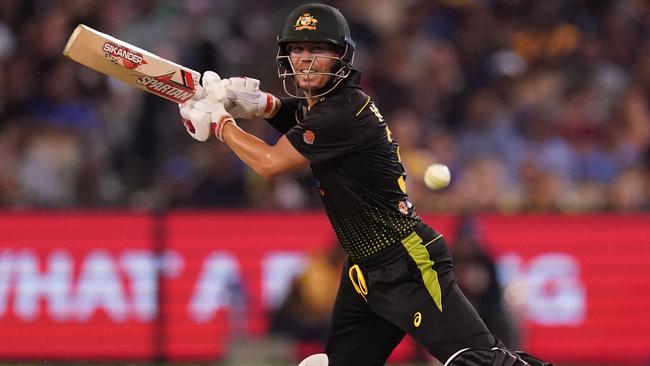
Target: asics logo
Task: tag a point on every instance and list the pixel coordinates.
(417, 319)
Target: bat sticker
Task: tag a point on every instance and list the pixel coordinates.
(164, 86)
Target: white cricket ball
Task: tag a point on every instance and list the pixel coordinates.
(437, 176)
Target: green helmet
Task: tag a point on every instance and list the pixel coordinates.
(316, 23)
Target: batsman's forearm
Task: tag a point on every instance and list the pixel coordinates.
(254, 152)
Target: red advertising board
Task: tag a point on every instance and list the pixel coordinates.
(67, 286)
(237, 256)
(587, 277)
(107, 286)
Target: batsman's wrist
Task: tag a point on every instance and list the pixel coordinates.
(267, 105)
(225, 120)
(277, 103)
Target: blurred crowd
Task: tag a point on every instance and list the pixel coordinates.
(534, 105)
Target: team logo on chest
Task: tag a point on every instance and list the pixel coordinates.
(309, 137)
(403, 207)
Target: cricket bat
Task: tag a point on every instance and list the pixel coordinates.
(131, 64)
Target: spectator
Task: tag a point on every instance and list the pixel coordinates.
(477, 71)
(477, 277)
(305, 313)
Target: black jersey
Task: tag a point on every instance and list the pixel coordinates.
(356, 165)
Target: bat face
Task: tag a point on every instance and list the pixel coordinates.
(132, 65)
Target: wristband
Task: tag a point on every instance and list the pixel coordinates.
(218, 127)
(268, 101)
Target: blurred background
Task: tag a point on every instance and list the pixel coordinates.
(126, 240)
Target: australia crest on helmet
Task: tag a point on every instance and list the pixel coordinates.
(306, 21)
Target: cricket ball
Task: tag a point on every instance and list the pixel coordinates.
(437, 176)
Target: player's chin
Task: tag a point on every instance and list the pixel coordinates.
(311, 84)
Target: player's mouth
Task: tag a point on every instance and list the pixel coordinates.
(309, 76)
(307, 72)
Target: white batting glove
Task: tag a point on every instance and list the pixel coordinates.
(214, 90)
(201, 118)
(211, 89)
(247, 98)
(206, 113)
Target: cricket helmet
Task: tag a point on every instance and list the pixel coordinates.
(316, 23)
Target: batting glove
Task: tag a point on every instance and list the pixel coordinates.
(247, 99)
(201, 118)
(206, 113)
(213, 90)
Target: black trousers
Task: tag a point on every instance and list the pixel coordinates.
(409, 288)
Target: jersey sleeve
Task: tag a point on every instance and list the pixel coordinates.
(327, 131)
(286, 116)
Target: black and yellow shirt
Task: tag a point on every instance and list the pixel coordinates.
(356, 165)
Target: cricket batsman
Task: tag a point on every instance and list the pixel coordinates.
(399, 277)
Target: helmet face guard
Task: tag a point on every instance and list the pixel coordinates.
(287, 72)
(315, 23)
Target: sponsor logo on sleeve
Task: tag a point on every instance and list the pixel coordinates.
(309, 137)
